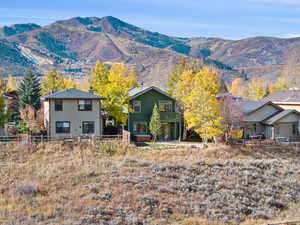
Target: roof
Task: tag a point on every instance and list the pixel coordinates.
(228, 95)
(135, 92)
(72, 94)
(289, 96)
(279, 116)
(251, 106)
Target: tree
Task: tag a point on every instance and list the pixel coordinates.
(30, 91)
(175, 74)
(99, 78)
(2, 84)
(114, 85)
(155, 123)
(197, 92)
(280, 85)
(236, 86)
(291, 71)
(52, 82)
(11, 84)
(32, 119)
(4, 116)
(232, 114)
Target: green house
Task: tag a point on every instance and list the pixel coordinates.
(142, 102)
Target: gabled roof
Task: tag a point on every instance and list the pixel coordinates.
(249, 107)
(72, 94)
(279, 116)
(289, 96)
(135, 92)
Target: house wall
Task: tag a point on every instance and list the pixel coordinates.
(70, 113)
(290, 106)
(148, 100)
(261, 114)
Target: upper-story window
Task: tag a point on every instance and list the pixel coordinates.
(137, 106)
(165, 106)
(85, 105)
(58, 105)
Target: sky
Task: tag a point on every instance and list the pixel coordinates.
(230, 19)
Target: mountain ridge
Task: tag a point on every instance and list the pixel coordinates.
(78, 42)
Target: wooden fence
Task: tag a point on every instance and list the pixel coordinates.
(42, 138)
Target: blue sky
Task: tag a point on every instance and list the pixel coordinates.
(231, 19)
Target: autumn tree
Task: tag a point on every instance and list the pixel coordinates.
(236, 86)
(11, 84)
(232, 114)
(280, 85)
(155, 123)
(291, 71)
(2, 84)
(114, 84)
(197, 92)
(175, 74)
(33, 119)
(29, 91)
(4, 116)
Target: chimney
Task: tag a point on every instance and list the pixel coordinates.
(91, 91)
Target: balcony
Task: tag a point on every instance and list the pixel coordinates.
(170, 116)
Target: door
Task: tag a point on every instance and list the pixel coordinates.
(165, 131)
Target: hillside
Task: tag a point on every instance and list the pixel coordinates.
(116, 183)
(72, 46)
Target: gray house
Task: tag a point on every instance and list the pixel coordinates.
(72, 113)
(266, 119)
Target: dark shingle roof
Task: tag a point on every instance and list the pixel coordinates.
(72, 94)
(284, 96)
(279, 116)
(135, 92)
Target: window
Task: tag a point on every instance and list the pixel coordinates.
(137, 106)
(58, 105)
(277, 130)
(88, 127)
(140, 128)
(63, 127)
(295, 128)
(85, 105)
(165, 106)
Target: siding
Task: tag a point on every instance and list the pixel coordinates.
(261, 114)
(70, 113)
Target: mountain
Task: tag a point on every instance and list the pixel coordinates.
(7, 31)
(72, 46)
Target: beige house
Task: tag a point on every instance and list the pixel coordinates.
(264, 119)
(72, 113)
(289, 99)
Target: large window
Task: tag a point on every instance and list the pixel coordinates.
(58, 105)
(165, 106)
(140, 128)
(88, 127)
(85, 105)
(63, 127)
(137, 106)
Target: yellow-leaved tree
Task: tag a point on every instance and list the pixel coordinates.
(114, 84)
(197, 92)
(54, 81)
(236, 86)
(2, 84)
(11, 84)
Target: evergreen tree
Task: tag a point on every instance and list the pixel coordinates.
(30, 91)
(155, 123)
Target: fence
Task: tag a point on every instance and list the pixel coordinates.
(41, 138)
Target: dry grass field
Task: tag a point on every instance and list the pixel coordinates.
(115, 183)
